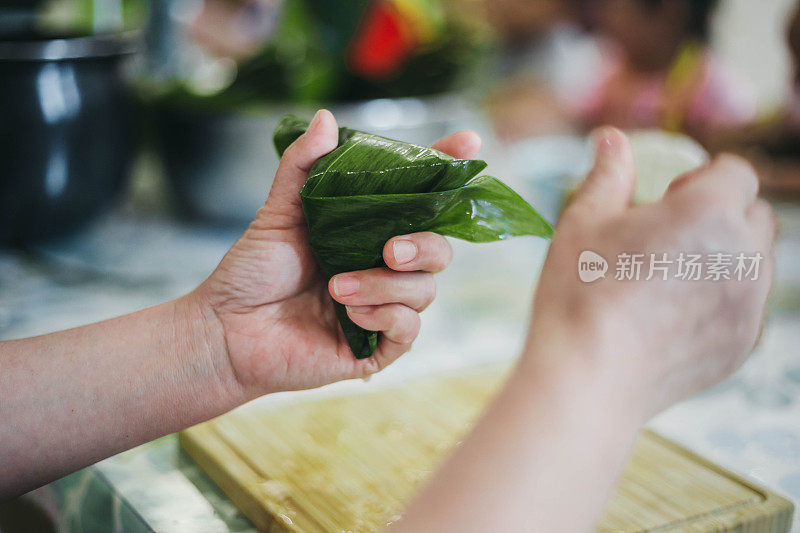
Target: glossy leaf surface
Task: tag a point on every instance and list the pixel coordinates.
(370, 189)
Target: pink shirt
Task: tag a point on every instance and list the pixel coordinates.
(714, 97)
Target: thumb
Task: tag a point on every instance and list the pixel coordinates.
(609, 186)
(321, 136)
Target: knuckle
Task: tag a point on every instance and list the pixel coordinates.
(393, 315)
(416, 324)
(428, 290)
(705, 201)
(687, 213)
(445, 254)
(733, 162)
(701, 205)
(739, 166)
(371, 365)
(729, 217)
(435, 250)
(385, 274)
(406, 325)
(765, 213)
(378, 280)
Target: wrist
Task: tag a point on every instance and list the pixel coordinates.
(590, 371)
(201, 339)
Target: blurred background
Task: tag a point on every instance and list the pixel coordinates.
(166, 106)
(135, 146)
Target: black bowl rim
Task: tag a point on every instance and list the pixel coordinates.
(62, 48)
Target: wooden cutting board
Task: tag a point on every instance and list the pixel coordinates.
(350, 463)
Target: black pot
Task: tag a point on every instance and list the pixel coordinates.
(66, 133)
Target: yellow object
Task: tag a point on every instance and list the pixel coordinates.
(350, 463)
(424, 18)
(683, 77)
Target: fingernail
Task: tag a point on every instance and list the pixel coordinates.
(601, 140)
(404, 251)
(345, 285)
(358, 309)
(314, 121)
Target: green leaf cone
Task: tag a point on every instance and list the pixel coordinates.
(370, 189)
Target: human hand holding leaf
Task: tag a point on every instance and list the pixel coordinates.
(275, 326)
(370, 189)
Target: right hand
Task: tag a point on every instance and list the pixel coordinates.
(657, 341)
(271, 324)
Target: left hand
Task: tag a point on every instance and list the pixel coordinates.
(270, 318)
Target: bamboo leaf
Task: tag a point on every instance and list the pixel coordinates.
(370, 189)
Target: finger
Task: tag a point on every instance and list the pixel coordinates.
(734, 178)
(461, 145)
(728, 178)
(396, 322)
(684, 179)
(425, 251)
(761, 219)
(321, 137)
(388, 351)
(380, 286)
(608, 188)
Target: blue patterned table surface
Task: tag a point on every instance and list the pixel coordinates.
(749, 424)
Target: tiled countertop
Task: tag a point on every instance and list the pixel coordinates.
(750, 424)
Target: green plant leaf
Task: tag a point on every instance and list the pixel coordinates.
(370, 189)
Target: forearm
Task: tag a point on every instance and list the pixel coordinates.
(71, 398)
(553, 435)
(604, 356)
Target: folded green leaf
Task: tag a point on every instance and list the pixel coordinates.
(370, 189)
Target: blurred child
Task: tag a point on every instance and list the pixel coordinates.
(660, 72)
